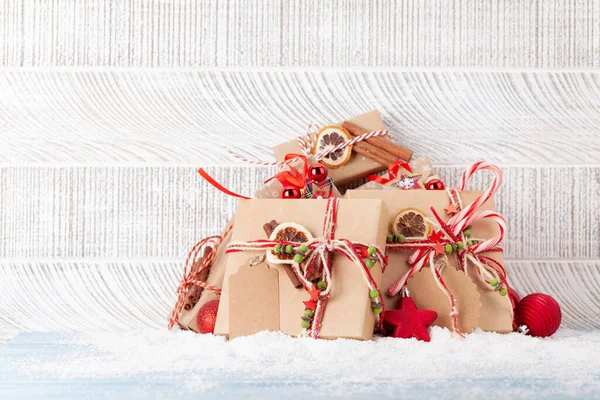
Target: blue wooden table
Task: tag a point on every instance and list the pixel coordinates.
(158, 364)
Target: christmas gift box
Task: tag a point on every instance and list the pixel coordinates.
(202, 279)
(305, 268)
(445, 247)
(352, 150)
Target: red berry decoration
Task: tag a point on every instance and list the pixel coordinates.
(207, 316)
(435, 184)
(290, 192)
(538, 315)
(317, 173)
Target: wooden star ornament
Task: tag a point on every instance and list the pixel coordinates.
(311, 304)
(408, 322)
(451, 209)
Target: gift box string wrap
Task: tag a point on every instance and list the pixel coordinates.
(320, 255)
(425, 251)
(190, 275)
(307, 143)
(291, 177)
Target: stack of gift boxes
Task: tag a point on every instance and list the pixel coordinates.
(398, 253)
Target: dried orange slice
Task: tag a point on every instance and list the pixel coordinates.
(411, 223)
(289, 232)
(329, 137)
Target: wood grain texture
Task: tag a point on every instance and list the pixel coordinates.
(98, 295)
(176, 33)
(107, 107)
(187, 117)
(160, 212)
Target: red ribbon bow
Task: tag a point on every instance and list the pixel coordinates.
(393, 171)
(291, 176)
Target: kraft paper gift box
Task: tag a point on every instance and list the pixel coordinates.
(348, 312)
(187, 318)
(358, 165)
(478, 305)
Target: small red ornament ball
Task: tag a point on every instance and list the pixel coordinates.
(435, 184)
(540, 313)
(317, 172)
(290, 192)
(207, 316)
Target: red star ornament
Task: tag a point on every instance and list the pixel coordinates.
(439, 249)
(436, 236)
(311, 304)
(451, 209)
(408, 322)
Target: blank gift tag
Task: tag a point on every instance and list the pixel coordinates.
(253, 300)
(428, 296)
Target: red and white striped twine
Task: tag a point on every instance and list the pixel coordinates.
(190, 276)
(307, 144)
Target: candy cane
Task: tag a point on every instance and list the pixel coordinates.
(493, 241)
(462, 183)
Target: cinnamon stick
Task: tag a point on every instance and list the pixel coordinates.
(374, 153)
(379, 142)
(269, 228)
(195, 291)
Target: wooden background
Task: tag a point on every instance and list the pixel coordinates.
(107, 107)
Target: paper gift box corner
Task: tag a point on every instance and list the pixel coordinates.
(348, 313)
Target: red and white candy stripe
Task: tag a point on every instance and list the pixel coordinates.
(490, 243)
(462, 183)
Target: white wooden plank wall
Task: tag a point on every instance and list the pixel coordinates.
(108, 107)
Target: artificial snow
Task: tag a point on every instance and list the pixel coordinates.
(155, 364)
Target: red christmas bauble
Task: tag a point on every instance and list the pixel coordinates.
(290, 192)
(539, 313)
(207, 316)
(435, 184)
(317, 172)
